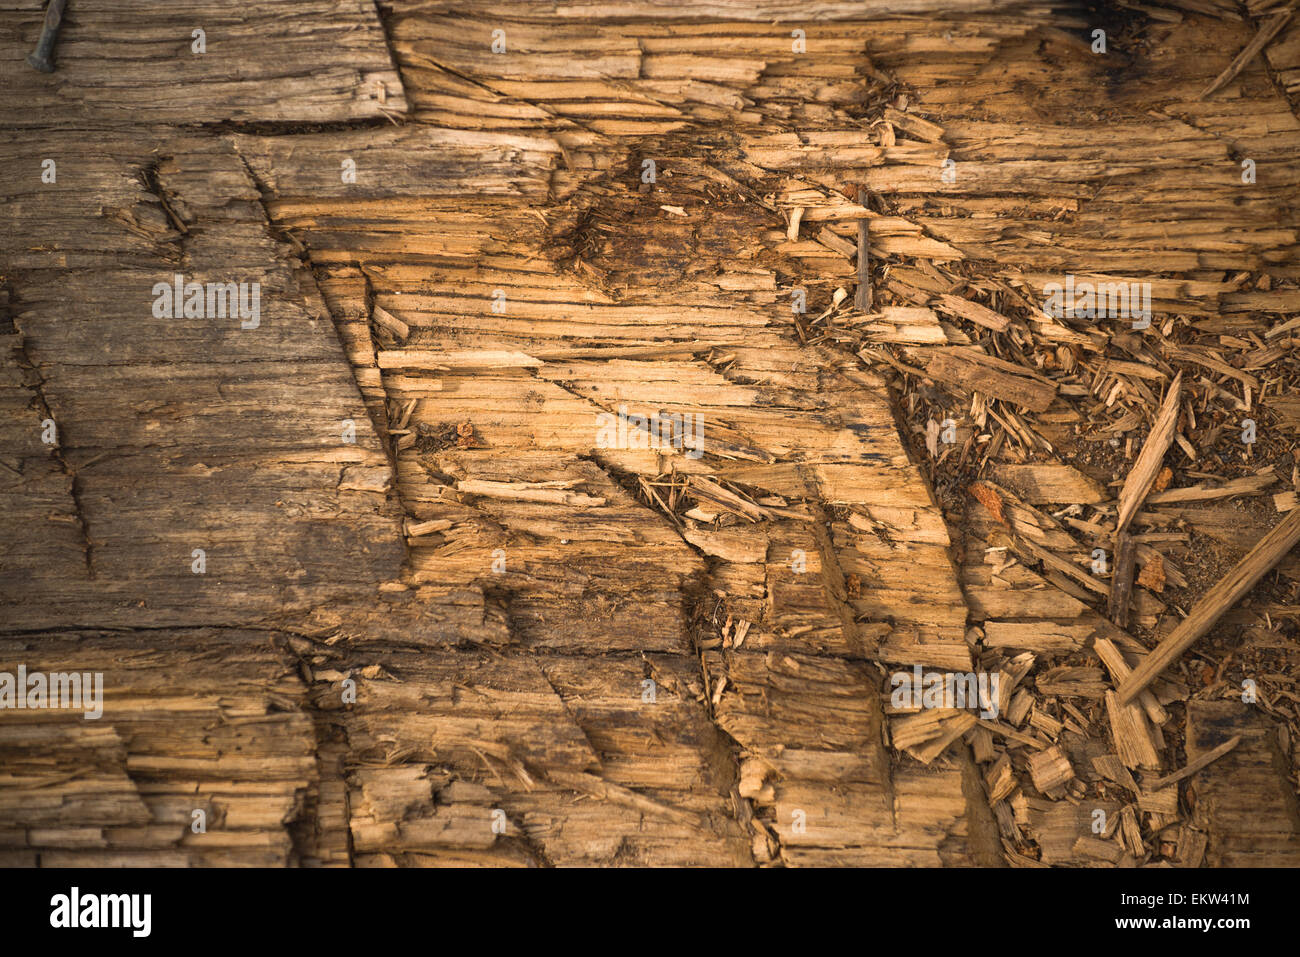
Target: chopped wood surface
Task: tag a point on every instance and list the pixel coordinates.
(442, 618)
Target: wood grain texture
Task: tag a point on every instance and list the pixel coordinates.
(134, 62)
(1243, 804)
(565, 652)
(176, 434)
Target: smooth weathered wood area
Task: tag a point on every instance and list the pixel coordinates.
(176, 434)
(1242, 799)
(129, 62)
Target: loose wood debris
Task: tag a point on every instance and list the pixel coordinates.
(1205, 760)
(1226, 593)
(1149, 461)
(1116, 463)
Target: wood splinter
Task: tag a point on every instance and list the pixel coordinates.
(1205, 760)
(862, 298)
(1121, 582)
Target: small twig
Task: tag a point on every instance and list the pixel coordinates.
(1266, 33)
(1209, 757)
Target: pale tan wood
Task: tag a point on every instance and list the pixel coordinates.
(1143, 473)
(980, 315)
(1130, 732)
(990, 375)
(1119, 670)
(1050, 769)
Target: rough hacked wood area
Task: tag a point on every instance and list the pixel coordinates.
(369, 584)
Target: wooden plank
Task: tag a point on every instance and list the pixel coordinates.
(510, 585)
(1247, 809)
(419, 162)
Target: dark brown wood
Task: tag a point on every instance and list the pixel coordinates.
(1121, 582)
(862, 297)
(154, 73)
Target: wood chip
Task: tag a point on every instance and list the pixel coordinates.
(1153, 574)
(973, 311)
(1128, 729)
(386, 320)
(862, 298)
(991, 376)
(1050, 769)
(1121, 580)
(1041, 484)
